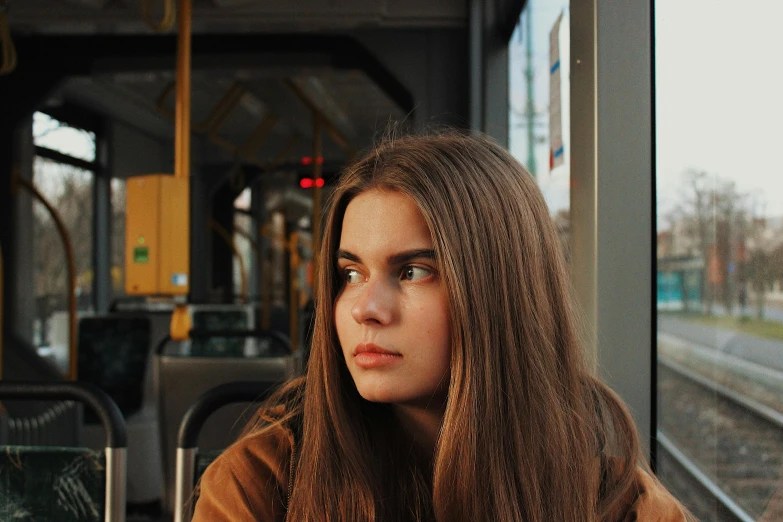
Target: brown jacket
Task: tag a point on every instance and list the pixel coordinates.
(249, 482)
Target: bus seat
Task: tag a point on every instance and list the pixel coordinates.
(212, 346)
(34, 478)
(63, 483)
(202, 373)
(113, 354)
(191, 463)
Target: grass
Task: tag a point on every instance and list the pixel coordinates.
(745, 324)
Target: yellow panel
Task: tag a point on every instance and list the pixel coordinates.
(141, 235)
(175, 236)
(157, 235)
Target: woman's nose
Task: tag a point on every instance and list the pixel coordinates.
(375, 304)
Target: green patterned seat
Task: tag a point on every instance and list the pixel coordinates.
(42, 484)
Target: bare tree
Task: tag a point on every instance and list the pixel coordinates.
(720, 221)
(71, 194)
(696, 212)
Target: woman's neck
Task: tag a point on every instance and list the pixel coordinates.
(422, 424)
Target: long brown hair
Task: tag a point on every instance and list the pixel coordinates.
(527, 432)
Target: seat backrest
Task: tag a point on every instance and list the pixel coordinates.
(208, 318)
(49, 483)
(65, 484)
(191, 462)
(203, 374)
(113, 354)
(60, 424)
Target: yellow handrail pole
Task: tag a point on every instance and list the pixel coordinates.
(330, 128)
(293, 311)
(160, 103)
(212, 122)
(214, 225)
(73, 354)
(9, 57)
(182, 113)
(317, 174)
(222, 110)
(257, 137)
(167, 18)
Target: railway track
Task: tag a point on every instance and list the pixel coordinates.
(719, 452)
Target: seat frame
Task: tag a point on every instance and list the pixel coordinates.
(111, 419)
(193, 421)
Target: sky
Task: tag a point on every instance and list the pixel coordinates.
(718, 102)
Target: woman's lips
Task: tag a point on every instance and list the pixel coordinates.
(368, 355)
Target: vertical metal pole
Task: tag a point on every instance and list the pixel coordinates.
(182, 131)
(317, 174)
(611, 179)
(101, 248)
(182, 136)
(530, 110)
(1, 320)
(266, 275)
(183, 483)
(584, 167)
(71, 273)
(116, 484)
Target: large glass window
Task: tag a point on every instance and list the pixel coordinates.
(539, 54)
(118, 197)
(720, 256)
(69, 188)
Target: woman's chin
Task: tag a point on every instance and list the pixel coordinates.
(373, 394)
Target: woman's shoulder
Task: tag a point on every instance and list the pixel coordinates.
(250, 479)
(647, 500)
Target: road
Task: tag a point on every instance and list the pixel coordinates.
(766, 352)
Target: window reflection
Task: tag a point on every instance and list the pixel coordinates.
(720, 257)
(69, 190)
(539, 121)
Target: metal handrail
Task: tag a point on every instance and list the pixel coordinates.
(193, 421)
(71, 262)
(223, 233)
(113, 423)
(9, 56)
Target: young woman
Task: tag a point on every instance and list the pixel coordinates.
(446, 380)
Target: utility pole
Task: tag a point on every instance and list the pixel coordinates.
(530, 111)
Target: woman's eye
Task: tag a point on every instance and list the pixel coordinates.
(414, 273)
(352, 276)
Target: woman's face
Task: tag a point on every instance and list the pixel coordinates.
(391, 312)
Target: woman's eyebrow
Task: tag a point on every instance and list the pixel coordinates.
(409, 255)
(396, 259)
(344, 254)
